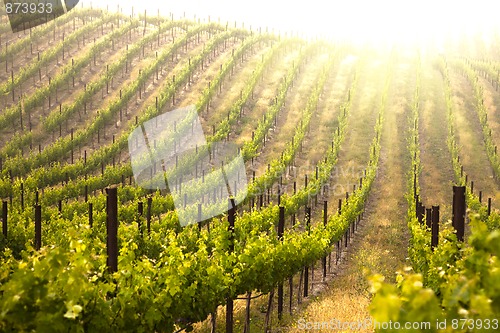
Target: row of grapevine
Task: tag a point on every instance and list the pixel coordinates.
(454, 280)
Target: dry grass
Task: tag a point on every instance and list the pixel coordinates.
(437, 174)
(289, 117)
(324, 122)
(354, 151)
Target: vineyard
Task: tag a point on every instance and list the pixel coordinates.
(371, 180)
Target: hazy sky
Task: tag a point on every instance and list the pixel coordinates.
(382, 20)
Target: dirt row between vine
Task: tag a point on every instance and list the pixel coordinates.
(436, 177)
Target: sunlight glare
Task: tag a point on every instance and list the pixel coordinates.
(361, 21)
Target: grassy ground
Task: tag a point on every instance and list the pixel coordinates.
(289, 117)
(211, 69)
(264, 94)
(436, 178)
(354, 152)
(470, 139)
(325, 122)
(232, 86)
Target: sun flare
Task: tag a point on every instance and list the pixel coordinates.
(360, 21)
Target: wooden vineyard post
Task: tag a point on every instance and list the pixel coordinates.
(290, 280)
(148, 214)
(306, 269)
(72, 152)
(13, 96)
(339, 243)
(458, 218)
(279, 194)
(353, 227)
(213, 321)
(489, 206)
(325, 221)
(91, 216)
(140, 212)
(346, 233)
(435, 226)
(428, 215)
(281, 231)
(38, 227)
(112, 229)
(415, 184)
(4, 218)
(294, 192)
(420, 212)
(229, 304)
